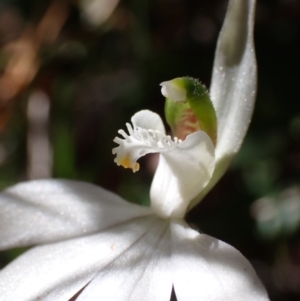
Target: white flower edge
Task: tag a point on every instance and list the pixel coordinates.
(43, 211)
(143, 257)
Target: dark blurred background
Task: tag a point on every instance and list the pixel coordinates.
(73, 72)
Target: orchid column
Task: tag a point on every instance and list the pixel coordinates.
(93, 242)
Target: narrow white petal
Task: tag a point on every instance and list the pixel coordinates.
(205, 268)
(141, 273)
(57, 271)
(181, 174)
(233, 87)
(234, 77)
(49, 210)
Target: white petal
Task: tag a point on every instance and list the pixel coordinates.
(208, 269)
(233, 87)
(181, 174)
(141, 273)
(148, 120)
(57, 271)
(49, 210)
(142, 139)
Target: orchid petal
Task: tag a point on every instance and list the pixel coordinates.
(141, 273)
(148, 120)
(181, 174)
(58, 271)
(146, 136)
(233, 86)
(208, 269)
(49, 210)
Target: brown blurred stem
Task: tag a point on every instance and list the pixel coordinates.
(23, 61)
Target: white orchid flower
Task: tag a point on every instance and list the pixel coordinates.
(92, 240)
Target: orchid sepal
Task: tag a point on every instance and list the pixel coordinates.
(233, 85)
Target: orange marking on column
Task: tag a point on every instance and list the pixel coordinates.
(187, 124)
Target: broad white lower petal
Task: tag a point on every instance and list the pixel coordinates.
(205, 268)
(141, 273)
(58, 271)
(49, 210)
(181, 174)
(233, 84)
